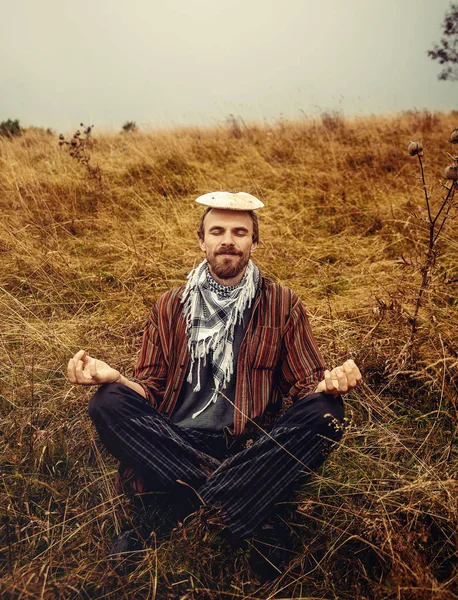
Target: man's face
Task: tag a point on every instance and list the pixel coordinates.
(227, 243)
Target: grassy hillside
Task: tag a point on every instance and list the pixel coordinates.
(86, 246)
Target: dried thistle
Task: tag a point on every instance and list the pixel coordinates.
(78, 149)
(453, 139)
(451, 172)
(414, 148)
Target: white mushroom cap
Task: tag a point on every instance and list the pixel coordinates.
(230, 201)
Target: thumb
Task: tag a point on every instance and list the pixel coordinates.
(321, 386)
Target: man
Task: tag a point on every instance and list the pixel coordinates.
(200, 418)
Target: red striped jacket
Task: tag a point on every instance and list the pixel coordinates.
(278, 357)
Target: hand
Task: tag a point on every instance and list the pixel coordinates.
(340, 380)
(85, 370)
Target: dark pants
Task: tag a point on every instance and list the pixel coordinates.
(246, 485)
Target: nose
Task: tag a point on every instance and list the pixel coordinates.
(227, 239)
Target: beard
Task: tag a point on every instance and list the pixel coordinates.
(228, 267)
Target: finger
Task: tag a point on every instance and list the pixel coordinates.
(86, 368)
(80, 376)
(335, 380)
(350, 374)
(79, 369)
(357, 372)
(342, 379)
(85, 357)
(78, 355)
(328, 381)
(71, 371)
(93, 368)
(332, 385)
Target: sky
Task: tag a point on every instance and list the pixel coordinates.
(195, 62)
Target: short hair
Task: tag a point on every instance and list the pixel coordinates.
(251, 213)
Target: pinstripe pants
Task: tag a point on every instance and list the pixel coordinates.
(246, 485)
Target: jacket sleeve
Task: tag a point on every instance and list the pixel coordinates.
(151, 369)
(302, 366)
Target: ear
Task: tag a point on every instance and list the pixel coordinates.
(202, 244)
(254, 246)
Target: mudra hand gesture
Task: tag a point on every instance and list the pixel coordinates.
(341, 379)
(86, 370)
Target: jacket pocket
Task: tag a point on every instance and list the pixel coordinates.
(265, 348)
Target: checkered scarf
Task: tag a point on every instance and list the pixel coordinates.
(211, 311)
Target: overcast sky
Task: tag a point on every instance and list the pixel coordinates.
(170, 62)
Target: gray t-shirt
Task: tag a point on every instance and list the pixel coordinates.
(218, 414)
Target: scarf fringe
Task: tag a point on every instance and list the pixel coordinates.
(219, 338)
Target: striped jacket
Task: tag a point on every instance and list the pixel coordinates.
(278, 356)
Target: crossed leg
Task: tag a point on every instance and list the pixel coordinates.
(245, 486)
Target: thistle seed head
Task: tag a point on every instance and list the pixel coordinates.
(451, 172)
(414, 148)
(454, 137)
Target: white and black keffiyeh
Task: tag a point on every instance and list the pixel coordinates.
(212, 311)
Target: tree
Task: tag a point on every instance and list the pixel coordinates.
(447, 52)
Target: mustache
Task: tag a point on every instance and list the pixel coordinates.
(232, 251)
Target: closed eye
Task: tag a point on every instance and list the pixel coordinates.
(239, 231)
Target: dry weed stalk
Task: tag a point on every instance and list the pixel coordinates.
(435, 223)
(78, 148)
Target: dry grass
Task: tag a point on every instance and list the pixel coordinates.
(82, 260)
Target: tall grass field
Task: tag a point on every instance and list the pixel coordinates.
(94, 228)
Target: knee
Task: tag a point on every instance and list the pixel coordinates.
(321, 413)
(332, 425)
(106, 402)
(114, 402)
(330, 416)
